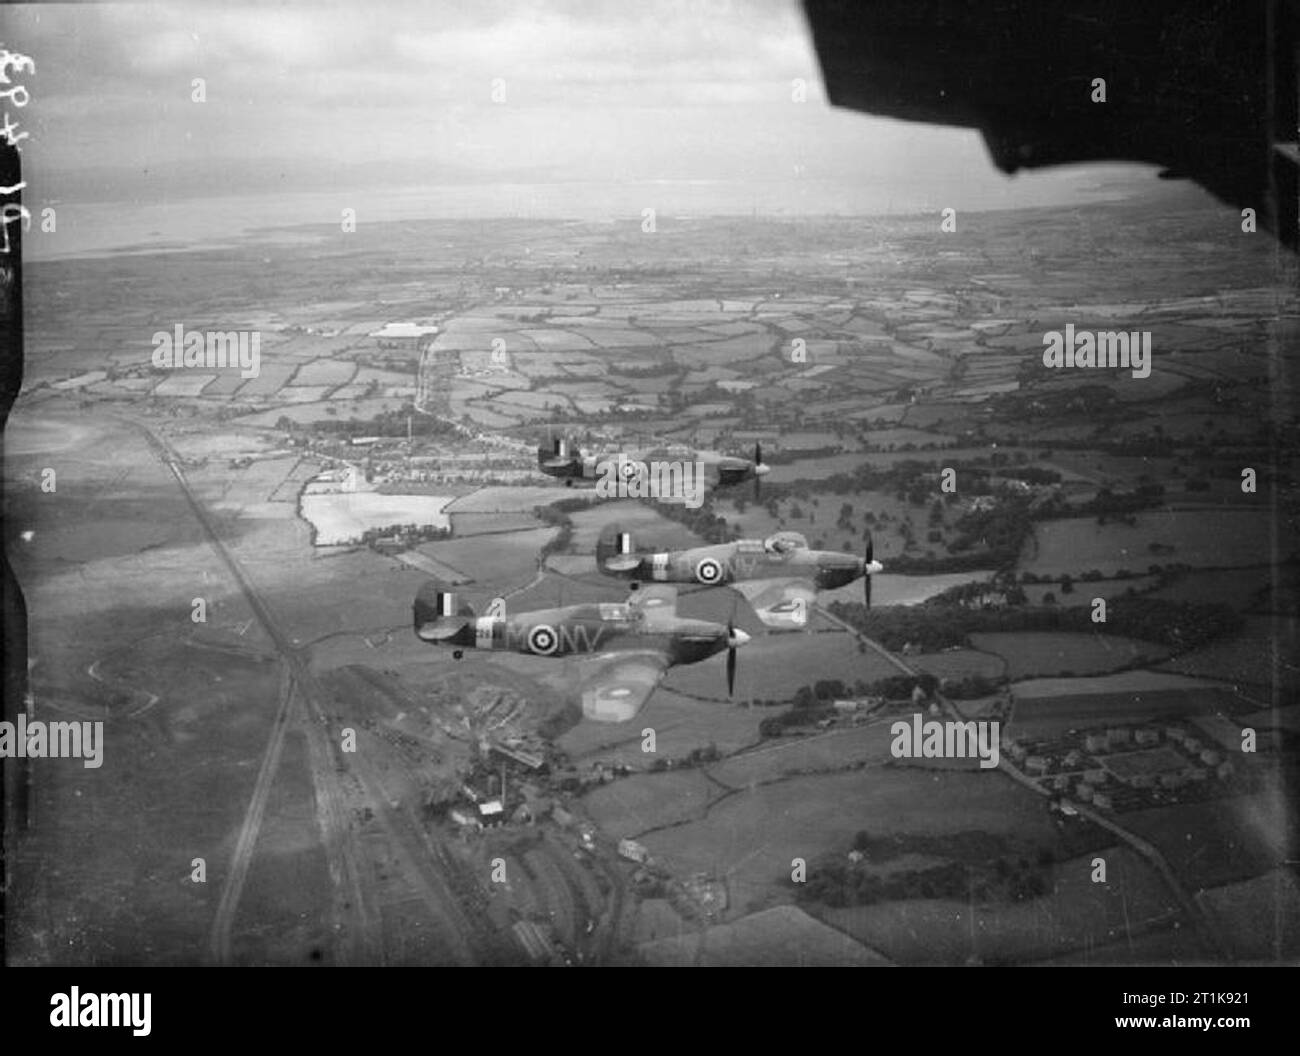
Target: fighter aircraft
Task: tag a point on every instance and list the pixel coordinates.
(779, 576)
(561, 459)
(626, 647)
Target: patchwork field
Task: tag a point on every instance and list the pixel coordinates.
(341, 517)
(1036, 654)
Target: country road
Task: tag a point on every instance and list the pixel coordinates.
(353, 908)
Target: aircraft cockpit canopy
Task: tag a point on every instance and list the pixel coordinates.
(784, 542)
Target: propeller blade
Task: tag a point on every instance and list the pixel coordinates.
(870, 547)
(758, 453)
(731, 671)
(866, 589)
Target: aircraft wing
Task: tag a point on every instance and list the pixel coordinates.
(785, 603)
(657, 602)
(615, 685)
(1211, 97)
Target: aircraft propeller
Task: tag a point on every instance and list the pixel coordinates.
(866, 577)
(731, 658)
(735, 637)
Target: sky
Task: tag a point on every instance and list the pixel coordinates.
(504, 107)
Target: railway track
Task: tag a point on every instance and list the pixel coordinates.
(352, 909)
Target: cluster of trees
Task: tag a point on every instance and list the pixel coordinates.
(811, 703)
(971, 687)
(696, 757)
(709, 526)
(1110, 503)
(557, 513)
(781, 458)
(408, 534)
(385, 423)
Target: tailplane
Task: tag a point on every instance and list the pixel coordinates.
(440, 616)
(616, 552)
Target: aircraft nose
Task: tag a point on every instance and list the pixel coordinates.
(737, 638)
(762, 470)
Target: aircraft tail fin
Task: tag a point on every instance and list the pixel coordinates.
(440, 616)
(616, 551)
(555, 450)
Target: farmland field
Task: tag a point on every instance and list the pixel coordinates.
(341, 517)
(752, 836)
(780, 936)
(1199, 537)
(1076, 913)
(1033, 654)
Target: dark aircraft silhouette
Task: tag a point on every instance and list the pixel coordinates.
(779, 576)
(626, 647)
(1205, 88)
(561, 459)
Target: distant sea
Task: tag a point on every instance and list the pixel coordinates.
(89, 229)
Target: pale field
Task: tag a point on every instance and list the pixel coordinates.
(1261, 916)
(680, 725)
(650, 530)
(960, 663)
(341, 517)
(1044, 653)
(326, 372)
(831, 749)
(269, 380)
(303, 394)
(728, 350)
(467, 524)
(1248, 656)
(226, 385)
(496, 499)
(1076, 912)
(316, 412)
(635, 805)
(531, 402)
(776, 665)
(753, 835)
(1126, 682)
(780, 936)
(495, 563)
(1200, 537)
(558, 340)
(182, 384)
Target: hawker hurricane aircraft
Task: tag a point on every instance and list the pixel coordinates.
(625, 647)
(779, 576)
(561, 459)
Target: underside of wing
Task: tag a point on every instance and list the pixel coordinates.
(615, 686)
(785, 603)
(655, 601)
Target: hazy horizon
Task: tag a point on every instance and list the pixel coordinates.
(548, 110)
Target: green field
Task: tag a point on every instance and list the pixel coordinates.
(1035, 654)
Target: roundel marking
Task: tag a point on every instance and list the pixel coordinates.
(543, 640)
(708, 571)
(629, 470)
